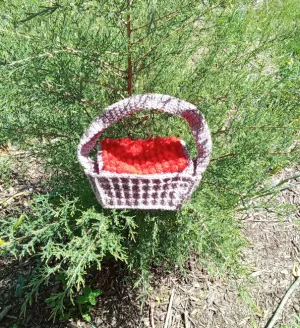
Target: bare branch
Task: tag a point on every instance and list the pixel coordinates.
(283, 302)
(129, 55)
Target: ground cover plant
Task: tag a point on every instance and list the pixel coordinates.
(63, 62)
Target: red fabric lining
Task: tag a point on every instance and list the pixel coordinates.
(154, 155)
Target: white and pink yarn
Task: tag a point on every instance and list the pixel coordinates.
(165, 191)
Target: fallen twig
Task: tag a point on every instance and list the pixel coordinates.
(185, 316)
(186, 320)
(169, 309)
(281, 305)
(4, 312)
(151, 314)
(6, 202)
(269, 221)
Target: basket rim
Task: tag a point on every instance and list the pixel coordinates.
(159, 176)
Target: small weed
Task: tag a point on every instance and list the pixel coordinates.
(86, 301)
(255, 310)
(83, 302)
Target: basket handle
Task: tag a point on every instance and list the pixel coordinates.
(137, 103)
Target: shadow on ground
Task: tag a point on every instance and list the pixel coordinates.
(117, 307)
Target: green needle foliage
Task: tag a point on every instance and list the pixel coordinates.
(63, 62)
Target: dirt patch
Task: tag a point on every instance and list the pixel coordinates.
(273, 253)
(22, 177)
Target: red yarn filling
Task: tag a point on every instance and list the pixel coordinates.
(154, 155)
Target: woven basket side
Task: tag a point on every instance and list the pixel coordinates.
(147, 193)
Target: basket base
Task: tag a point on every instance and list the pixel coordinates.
(145, 207)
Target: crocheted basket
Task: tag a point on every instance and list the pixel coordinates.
(167, 190)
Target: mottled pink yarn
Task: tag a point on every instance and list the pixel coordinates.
(166, 191)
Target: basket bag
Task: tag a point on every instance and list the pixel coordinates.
(163, 190)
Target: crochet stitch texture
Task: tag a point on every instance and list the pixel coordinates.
(167, 190)
(154, 155)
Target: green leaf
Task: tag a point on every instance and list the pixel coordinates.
(97, 292)
(92, 299)
(50, 302)
(87, 291)
(19, 221)
(2, 242)
(61, 277)
(65, 316)
(87, 317)
(82, 299)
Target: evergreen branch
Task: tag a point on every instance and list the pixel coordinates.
(225, 188)
(35, 284)
(150, 52)
(250, 153)
(97, 83)
(46, 11)
(139, 40)
(163, 26)
(115, 70)
(114, 53)
(39, 133)
(157, 59)
(110, 66)
(213, 240)
(202, 224)
(223, 156)
(273, 189)
(169, 15)
(79, 265)
(46, 54)
(141, 68)
(147, 54)
(220, 131)
(36, 233)
(17, 33)
(81, 100)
